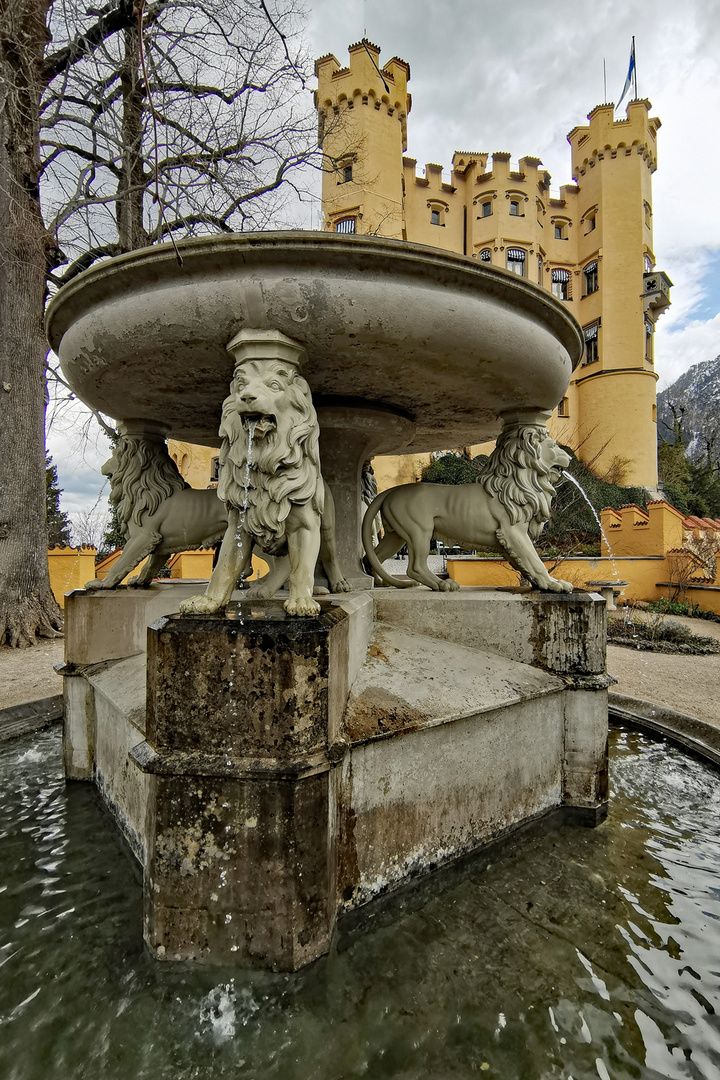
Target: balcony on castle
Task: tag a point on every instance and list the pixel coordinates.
(656, 293)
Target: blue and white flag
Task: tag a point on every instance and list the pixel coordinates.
(630, 74)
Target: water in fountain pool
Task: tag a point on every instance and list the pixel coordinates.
(565, 952)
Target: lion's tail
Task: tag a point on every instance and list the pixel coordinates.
(373, 509)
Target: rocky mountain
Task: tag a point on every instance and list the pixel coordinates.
(697, 394)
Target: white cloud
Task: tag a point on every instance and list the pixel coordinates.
(695, 343)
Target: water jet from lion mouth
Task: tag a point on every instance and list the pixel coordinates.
(259, 423)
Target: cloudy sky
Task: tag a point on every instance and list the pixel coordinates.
(518, 77)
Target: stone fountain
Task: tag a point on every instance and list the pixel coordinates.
(276, 765)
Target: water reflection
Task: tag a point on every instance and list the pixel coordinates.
(571, 953)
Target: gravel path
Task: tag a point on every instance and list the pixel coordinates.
(688, 684)
(27, 674)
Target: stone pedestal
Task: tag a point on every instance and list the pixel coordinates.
(350, 435)
(241, 710)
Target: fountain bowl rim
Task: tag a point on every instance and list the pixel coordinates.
(95, 283)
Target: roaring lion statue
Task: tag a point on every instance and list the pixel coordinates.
(505, 510)
(158, 512)
(271, 485)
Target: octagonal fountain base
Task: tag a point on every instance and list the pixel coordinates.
(271, 773)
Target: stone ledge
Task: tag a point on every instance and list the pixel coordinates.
(30, 716)
(696, 736)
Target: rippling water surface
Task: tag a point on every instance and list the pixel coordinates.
(570, 953)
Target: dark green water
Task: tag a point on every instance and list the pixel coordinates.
(572, 953)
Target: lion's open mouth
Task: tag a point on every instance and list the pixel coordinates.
(259, 423)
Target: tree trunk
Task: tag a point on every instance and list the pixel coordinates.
(27, 606)
(131, 187)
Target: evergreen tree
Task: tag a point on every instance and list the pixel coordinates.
(58, 523)
(450, 469)
(113, 537)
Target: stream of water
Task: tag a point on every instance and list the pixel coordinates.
(569, 476)
(568, 953)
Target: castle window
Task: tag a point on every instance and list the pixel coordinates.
(214, 470)
(560, 232)
(563, 409)
(434, 217)
(591, 278)
(515, 208)
(590, 223)
(648, 264)
(486, 209)
(346, 225)
(592, 354)
(648, 341)
(561, 284)
(486, 255)
(647, 212)
(516, 261)
(540, 270)
(347, 173)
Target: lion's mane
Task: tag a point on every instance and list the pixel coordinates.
(145, 475)
(517, 477)
(283, 467)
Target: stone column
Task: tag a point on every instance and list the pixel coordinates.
(240, 718)
(569, 638)
(349, 436)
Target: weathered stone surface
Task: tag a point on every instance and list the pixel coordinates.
(564, 633)
(240, 849)
(249, 684)
(240, 870)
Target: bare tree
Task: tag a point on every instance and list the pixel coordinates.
(138, 120)
(190, 118)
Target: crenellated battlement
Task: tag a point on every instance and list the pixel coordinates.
(606, 137)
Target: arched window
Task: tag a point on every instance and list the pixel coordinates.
(516, 261)
(561, 284)
(346, 225)
(486, 255)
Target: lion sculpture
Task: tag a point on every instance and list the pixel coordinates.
(271, 485)
(159, 513)
(505, 510)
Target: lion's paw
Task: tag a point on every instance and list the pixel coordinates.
(340, 585)
(558, 585)
(302, 605)
(96, 583)
(199, 605)
(448, 585)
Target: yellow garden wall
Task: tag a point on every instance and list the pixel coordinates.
(69, 569)
(643, 574)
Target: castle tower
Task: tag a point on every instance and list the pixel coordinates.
(362, 119)
(588, 242)
(612, 163)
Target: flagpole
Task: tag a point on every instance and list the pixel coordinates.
(604, 82)
(634, 67)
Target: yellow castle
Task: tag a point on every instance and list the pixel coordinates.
(590, 242)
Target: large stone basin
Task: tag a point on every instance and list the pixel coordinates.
(409, 348)
(448, 342)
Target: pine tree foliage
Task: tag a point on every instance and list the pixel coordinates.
(57, 521)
